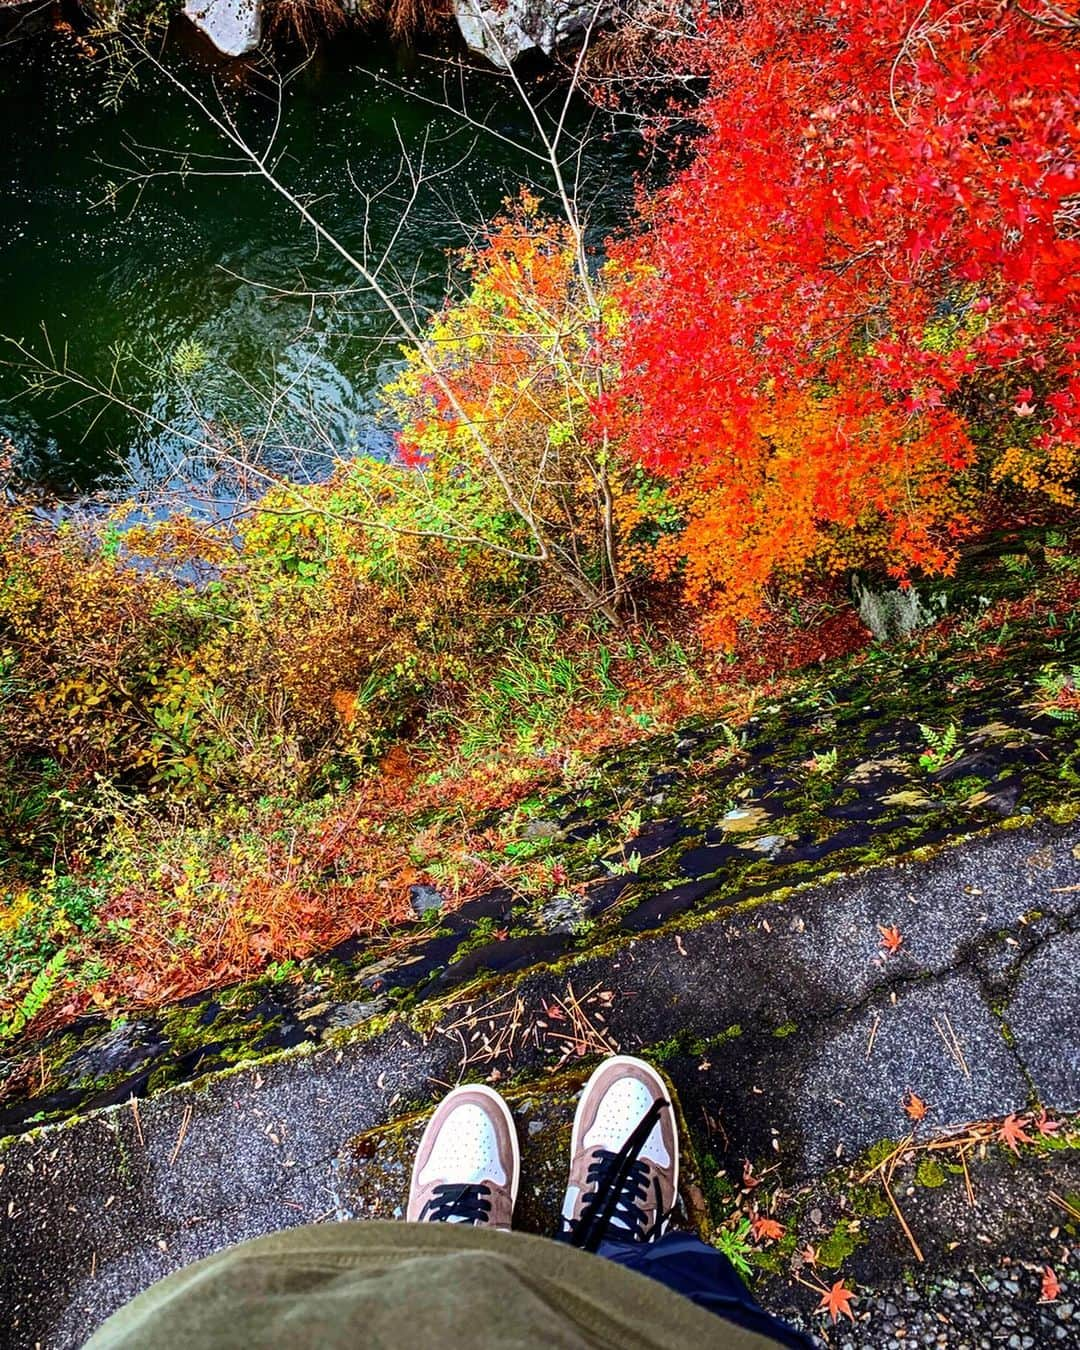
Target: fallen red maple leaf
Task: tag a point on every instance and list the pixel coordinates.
(891, 938)
(1046, 1126)
(1051, 1287)
(766, 1230)
(914, 1106)
(1012, 1132)
(837, 1302)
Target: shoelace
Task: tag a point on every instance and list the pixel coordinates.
(620, 1182)
(466, 1203)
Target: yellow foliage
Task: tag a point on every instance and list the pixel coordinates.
(1050, 471)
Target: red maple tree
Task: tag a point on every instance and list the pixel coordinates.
(856, 309)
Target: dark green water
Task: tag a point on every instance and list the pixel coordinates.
(182, 263)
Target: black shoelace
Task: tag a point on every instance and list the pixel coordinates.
(619, 1183)
(466, 1203)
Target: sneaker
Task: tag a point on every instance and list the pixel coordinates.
(468, 1164)
(624, 1157)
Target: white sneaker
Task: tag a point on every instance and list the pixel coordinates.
(624, 1157)
(468, 1165)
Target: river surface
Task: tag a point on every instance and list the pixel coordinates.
(181, 281)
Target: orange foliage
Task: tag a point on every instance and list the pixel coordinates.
(494, 404)
(858, 306)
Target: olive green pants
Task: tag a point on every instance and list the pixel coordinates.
(413, 1287)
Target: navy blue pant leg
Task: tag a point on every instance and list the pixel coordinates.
(705, 1276)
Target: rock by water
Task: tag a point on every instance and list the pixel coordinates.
(503, 31)
(233, 26)
(506, 30)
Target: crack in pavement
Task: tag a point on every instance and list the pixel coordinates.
(966, 962)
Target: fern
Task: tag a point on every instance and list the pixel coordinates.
(36, 997)
(1059, 694)
(941, 747)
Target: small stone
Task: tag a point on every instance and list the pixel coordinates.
(425, 899)
(355, 1011)
(769, 844)
(742, 818)
(561, 914)
(542, 829)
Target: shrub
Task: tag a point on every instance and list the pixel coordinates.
(856, 309)
(308, 643)
(494, 415)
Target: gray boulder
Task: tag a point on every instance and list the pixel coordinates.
(424, 899)
(233, 26)
(504, 30)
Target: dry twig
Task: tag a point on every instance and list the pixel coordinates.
(952, 1043)
(180, 1137)
(138, 1122)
